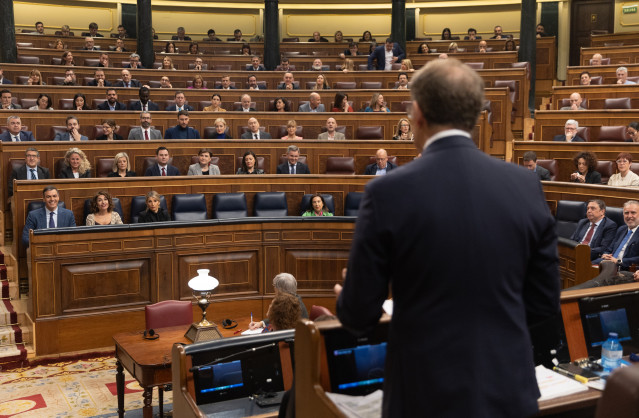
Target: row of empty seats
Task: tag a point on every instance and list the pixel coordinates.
(192, 207)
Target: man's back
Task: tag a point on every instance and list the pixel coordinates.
(468, 245)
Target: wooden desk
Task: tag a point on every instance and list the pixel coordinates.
(149, 361)
(583, 402)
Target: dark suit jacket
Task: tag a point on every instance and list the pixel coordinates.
(631, 255)
(379, 54)
(300, 168)
(134, 83)
(249, 135)
(175, 38)
(173, 108)
(173, 133)
(5, 81)
(105, 106)
(602, 238)
(24, 136)
(282, 86)
(94, 83)
(423, 243)
(22, 174)
(230, 87)
(371, 168)
(562, 138)
(543, 173)
(259, 68)
(137, 105)
(154, 170)
(139, 67)
(67, 173)
(37, 219)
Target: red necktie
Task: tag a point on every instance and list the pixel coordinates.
(163, 171)
(588, 237)
(146, 135)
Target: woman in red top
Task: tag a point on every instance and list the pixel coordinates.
(341, 103)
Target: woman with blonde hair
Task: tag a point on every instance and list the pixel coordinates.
(349, 65)
(377, 104)
(35, 78)
(167, 64)
(76, 165)
(198, 82)
(407, 65)
(403, 131)
(121, 166)
(452, 47)
(153, 211)
(291, 127)
(321, 83)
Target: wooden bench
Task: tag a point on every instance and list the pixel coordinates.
(618, 54)
(594, 94)
(627, 38)
(549, 123)
(608, 72)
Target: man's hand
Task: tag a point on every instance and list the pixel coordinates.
(73, 133)
(395, 59)
(574, 106)
(100, 83)
(289, 87)
(337, 289)
(609, 257)
(636, 276)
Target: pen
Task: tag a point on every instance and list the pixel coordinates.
(251, 316)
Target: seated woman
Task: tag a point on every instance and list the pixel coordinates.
(76, 165)
(42, 103)
(625, 177)
(249, 164)
(423, 48)
(121, 166)
(377, 104)
(67, 59)
(321, 83)
(631, 130)
(35, 78)
(318, 207)
(204, 165)
(153, 211)
(167, 64)
(220, 129)
(58, 44)
(170, 48)
(341, 103)
(349, 65)
(216, 104)
(407, 65)
(446, 36)
(452, 48)
(291, 127)
(102, 212)
(338, 37)
(510, 45)
(245, 50)
(403, 131)
(281, 105)
(194, 48)
(586, 163)
(367, 37)
(80, 102)
(109, 127)
(283, 313)
(198, 83)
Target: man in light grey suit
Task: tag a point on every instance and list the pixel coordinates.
(145, 131)
(314, 104)
(204, 167)
(331, 133)
(73, 131)
(49, 216)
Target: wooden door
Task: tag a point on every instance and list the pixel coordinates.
(586, 16)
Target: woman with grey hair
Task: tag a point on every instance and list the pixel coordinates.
(284, 283)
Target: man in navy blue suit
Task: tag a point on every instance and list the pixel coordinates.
(144, 104)
(180, 103)
(111, 102)
(382, 166)
(49, 216)
(162, 168)
(15, 132)
(471, 260)
(182, 130)
(292, 165)
(624, 249)
(596, 230)
(386, 55)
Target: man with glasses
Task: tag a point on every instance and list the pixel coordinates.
(624, 177)
(31, 170)
(570, 132)
(382, 166)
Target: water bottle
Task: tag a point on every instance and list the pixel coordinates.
(611, 353)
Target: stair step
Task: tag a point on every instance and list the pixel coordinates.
(14, 291)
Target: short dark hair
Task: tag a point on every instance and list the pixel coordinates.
(48, 189)
(204, 151)
(178, 92)
(599, 202)
(3, 91)
(157, 151)
(39, 23)
(352, 44)
(389, 41)
(284, 59)
(530, 156)
(210, 31)
(183, 112)
(143, 89)
(110, 89)
(93, 25)
(472, 30)
(71, 117)
(401, 74)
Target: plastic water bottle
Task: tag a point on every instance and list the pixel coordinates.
(611, 353)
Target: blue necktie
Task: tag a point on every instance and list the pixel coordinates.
(623, 242)
(33, 176)
(51, 222)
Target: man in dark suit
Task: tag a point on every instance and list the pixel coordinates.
(162, 168)
(596, 230)
(49, 216)
(353, 50)
(89, 44)
(134, 62)
(386, 55)
(254, 131)
(144, 104)
(182, 130)
(181, 35)
(288, 82)
(31, 170)
(293, 166)
(382, 166)
(530, 162)
(317, 38)
(420, 231)
(127, 81)
(570, 133)
(5, 100)
(180, 103)
(4, 80)
(15, 132)
(226, 83)
(111, 102)
(472, 35)
(255, 64)
(624, 249)
(99, 79)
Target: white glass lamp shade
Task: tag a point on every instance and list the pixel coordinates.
(203, 282)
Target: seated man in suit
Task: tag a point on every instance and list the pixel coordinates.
(212, 37)
(39, 26)
(245, 102)
(317, 38)
(162, 168)
(104, 60)
(127, 81)
(570, 135)
(111, 102)
(119, 46)
(472, 35)
(331, 131)
(4, 80)
(252, 82)
(93, 30)
(182, 130)
(530, 162)
(498, 33)
(144, 104)
(73, 131)
(204, 165)
(402, 80)
(482, 47)
(165, 82)
(180, 103)
(624, 249)
(575, 102)
(314, 104)
(382, 166)
(596, 59)
(89, 44)
(288, 82)
(181, 35)
(15, 132)
(99, 79)
(5, 100)
(255, 64)
(254, 131)
(285, 65)
(122, 34)
(31, 169)
(145, 131)
(134, 62)
(226, 83)
(353, 49)
(386, 55)
(317, 65)
(70, 79)
(596, 230)
(49, 216)
(293, 166)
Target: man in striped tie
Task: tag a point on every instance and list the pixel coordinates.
(596, 230)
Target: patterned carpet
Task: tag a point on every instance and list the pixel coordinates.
(80, 388)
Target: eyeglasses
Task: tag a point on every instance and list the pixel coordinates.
(622, 161)
(568, 128)
(631, 133)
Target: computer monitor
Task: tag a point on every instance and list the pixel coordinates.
(610, 313)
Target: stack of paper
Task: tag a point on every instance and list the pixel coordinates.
(369, 406)
(553, 385)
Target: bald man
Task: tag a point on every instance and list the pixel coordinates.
(382, 166)
(314, 104)
(575, 102)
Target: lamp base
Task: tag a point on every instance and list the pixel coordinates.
(197, 332)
